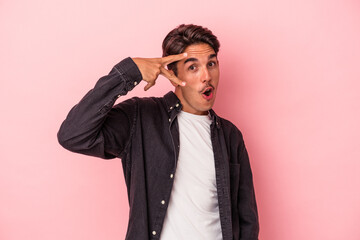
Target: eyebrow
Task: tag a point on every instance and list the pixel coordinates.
(195, 59)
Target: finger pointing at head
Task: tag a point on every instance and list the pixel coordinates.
(171, 76)
(173, 58)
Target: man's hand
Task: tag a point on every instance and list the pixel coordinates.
(150, 69)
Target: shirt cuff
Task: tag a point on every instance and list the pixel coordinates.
(128, 68)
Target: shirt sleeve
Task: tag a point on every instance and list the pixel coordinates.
(93, 126)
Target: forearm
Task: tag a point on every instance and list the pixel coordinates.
(81, 131)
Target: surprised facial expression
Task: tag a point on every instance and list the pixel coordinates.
(200, 71)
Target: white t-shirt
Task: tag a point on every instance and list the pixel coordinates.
(193, 211)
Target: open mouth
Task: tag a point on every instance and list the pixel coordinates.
(207, 93)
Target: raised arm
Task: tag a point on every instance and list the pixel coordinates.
(83, 129)
(93, 126)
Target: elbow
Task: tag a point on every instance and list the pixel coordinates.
(63, 141)
(69, 138)
(77, 143)
(66, 139)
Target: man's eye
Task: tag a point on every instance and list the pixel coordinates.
(211, 64)
(192, 68)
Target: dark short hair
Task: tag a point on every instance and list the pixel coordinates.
(185, 35)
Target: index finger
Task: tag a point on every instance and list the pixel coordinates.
(173, 58)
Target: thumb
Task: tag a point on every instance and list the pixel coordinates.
(149, 85)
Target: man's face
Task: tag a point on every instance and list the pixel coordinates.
(200, 71)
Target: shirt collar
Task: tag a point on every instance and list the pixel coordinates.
(173, 103)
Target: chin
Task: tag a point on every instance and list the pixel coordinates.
(207, 108)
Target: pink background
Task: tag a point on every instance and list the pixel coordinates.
(290, 74)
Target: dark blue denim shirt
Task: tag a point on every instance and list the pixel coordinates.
(144, 133)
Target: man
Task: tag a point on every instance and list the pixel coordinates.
(186, 169)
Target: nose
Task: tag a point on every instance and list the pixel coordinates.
(205, 77)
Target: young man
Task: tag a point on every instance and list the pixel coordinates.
(187, 170)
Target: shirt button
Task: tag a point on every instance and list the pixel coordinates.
(169, 119)
(177, 105)
(135, 83)
(162, 202)
(153, 233)
(171, 175)
(171, 108)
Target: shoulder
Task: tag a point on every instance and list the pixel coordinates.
(150, 104)
(141, 105)
(140, 102)
(154, 101)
